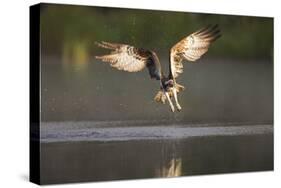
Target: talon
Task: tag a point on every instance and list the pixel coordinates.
(172, 108)
(178, 107)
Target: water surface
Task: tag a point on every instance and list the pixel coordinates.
(98, 151)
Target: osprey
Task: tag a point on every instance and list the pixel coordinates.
(131, 59)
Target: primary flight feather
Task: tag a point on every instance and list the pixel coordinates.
(131, 59)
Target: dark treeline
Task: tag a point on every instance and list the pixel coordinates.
(75, 28)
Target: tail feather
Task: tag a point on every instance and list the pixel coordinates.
(161, 97)
(179, 88)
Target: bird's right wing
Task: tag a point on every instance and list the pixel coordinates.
(131, 59)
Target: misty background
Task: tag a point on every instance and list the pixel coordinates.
(233, 82)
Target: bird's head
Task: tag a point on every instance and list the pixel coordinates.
(167, 83)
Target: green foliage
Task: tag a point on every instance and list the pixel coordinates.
(65, 26)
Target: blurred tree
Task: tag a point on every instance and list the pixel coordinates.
(66, 25)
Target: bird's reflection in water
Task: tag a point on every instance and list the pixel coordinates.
(172, 169)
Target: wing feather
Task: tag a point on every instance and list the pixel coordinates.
(191, 48)
(131, 59)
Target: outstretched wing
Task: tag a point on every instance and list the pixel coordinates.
(191, 48)
(131, 59)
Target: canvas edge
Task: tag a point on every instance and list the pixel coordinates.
(34, 95)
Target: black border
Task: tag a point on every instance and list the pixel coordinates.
(34, 95)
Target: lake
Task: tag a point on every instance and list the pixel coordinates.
(100, 151)
(100, 124)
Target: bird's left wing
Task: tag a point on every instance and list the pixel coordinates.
(131, 59)
(191, 48)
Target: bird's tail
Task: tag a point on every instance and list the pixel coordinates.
(161, 97)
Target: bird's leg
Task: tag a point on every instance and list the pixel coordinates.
(170, 102)
(176, 99)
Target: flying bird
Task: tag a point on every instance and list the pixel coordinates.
(131, 59)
